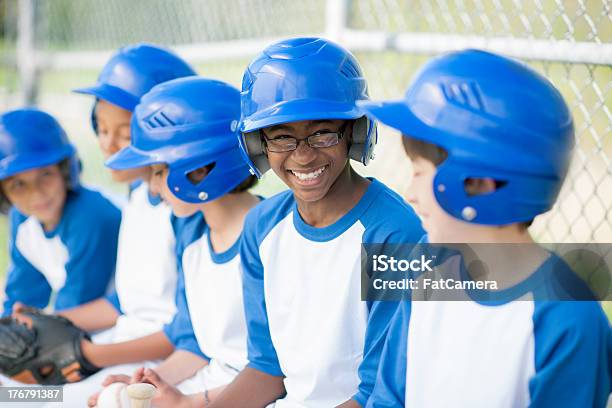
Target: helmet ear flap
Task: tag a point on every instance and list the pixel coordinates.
(364, 140)
(225, 170)
(255, 151)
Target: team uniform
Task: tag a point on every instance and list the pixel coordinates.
(210, 319)
(174, 117)
(302, 284)
(302, 288)
(75, 260)
(519, 348)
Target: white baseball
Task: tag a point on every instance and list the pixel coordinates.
(140, 394)
(114, 396)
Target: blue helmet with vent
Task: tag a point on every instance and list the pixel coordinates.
(30, 139)
(303, 79)
(188, 123)
(496, 118)
(132, 71)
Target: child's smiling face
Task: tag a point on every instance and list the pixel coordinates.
(40, 193)
(309, 172)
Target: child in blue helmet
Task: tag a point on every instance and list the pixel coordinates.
(146, 275)
(490, 141)
(185, 130)
(63, 236)
(145, 279)
(312, 341)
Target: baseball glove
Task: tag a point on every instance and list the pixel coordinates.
(42, 349)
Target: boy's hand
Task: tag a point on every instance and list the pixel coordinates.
(92, 401)
(166, 395)
(138, 376)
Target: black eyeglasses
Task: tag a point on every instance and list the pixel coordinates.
(317, 140)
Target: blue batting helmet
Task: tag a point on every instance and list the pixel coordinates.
(132, 72)
(303, 79)
(496, 118)
(31, 138)
(188, 123)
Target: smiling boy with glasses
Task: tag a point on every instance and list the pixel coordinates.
(301, 250)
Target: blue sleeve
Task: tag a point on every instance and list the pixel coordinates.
(24, 283)
(573, 345)
(261, 353)
(382, 227)
(180, 330)
(113, 299)
(379, 320)
(90, 235)
(390, 387)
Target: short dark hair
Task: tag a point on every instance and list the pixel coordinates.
(437, 155)
(65, 170)
(417, 148)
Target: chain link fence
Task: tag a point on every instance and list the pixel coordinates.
(584, 211)
(91, 25)
(568, 41)
(8, 38)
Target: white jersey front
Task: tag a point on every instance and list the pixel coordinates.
(302, 286)
(146, 274)
(515, 347)
(210, 319)
(213, 287)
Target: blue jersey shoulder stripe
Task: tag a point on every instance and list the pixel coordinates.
(260, 220)
(390, 387)
(573, 345)
(387, 219)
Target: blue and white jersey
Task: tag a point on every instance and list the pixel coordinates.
(503, 353)
(302, 295)
(146, 275)
(75, 260)
(210, 318)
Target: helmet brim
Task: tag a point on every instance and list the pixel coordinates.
(130, 158)
(398, 115)
(294, 111)
(34, 161)
(394, 114)
(111, 94)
